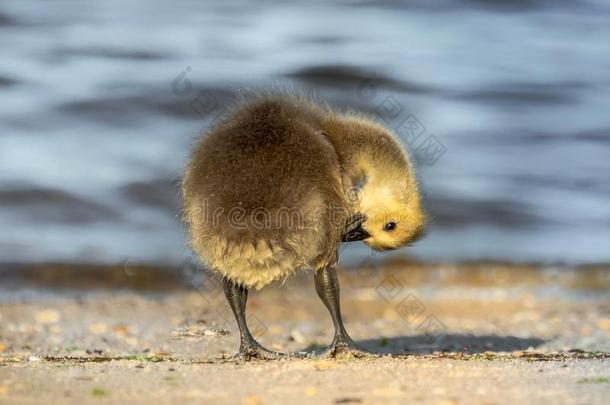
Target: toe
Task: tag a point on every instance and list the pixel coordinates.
(346, 349)
(257, 352)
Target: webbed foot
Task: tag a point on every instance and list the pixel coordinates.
(344, 346)
(255, 351)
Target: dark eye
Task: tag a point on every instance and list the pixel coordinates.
(389, 227)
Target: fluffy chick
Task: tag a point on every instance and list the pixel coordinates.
(280, 183)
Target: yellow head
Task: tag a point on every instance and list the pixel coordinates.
(389, 197)
(393, 217)
(384, 181)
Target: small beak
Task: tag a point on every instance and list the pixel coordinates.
(355, 231)
(356, 234)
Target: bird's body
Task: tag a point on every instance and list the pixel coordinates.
(258, 194)
(276, 185)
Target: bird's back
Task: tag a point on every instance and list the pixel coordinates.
(258, 188)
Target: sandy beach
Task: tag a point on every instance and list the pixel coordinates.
(482, 333)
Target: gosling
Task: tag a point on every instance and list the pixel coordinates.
(277, 186)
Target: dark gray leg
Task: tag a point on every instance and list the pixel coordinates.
(248, 347)
(327, 287)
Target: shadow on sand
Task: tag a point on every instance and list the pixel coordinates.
(425, 344)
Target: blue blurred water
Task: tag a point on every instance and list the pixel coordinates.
(93, 137)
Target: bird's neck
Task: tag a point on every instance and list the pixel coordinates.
(362, 160)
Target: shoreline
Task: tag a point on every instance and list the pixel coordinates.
(444, 334)
(154, 277)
